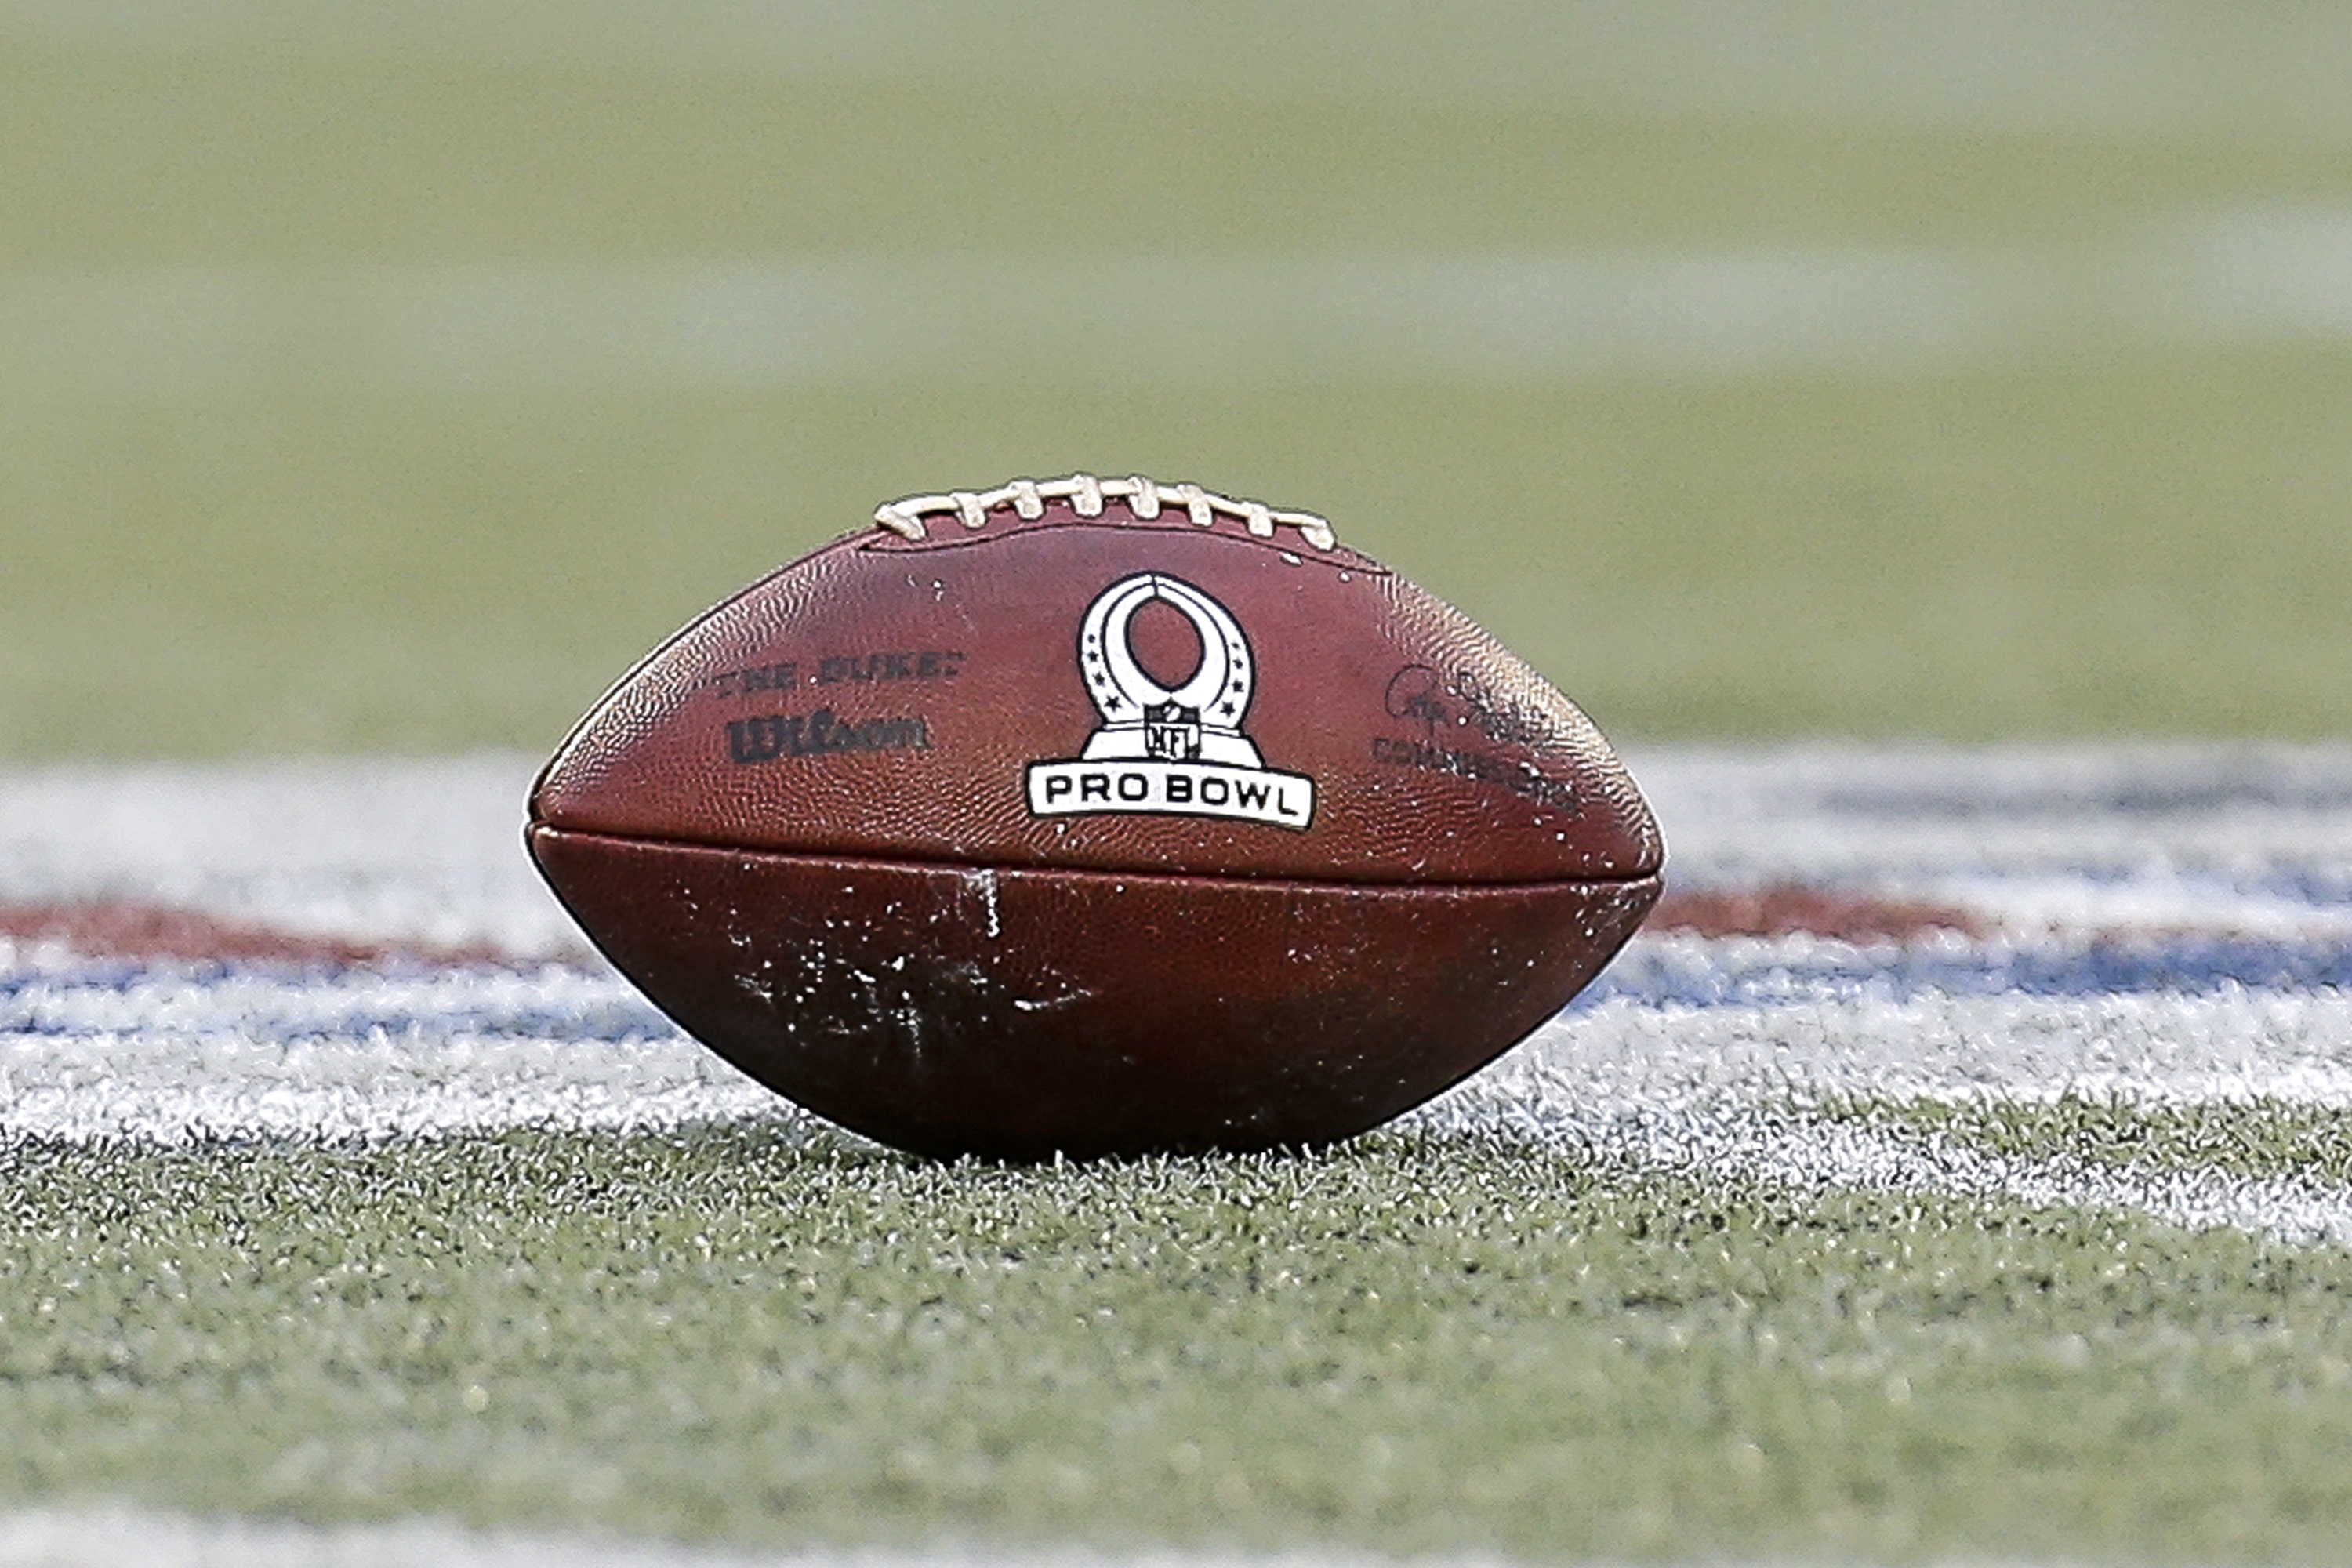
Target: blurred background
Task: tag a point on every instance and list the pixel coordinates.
(388, 375)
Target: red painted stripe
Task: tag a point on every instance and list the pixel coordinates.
(1786, 909)
(121, 927)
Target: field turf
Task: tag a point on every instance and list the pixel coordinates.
(1416, 1345)
(2017, 1230)
(389, 378)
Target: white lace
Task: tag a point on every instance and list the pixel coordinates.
(1086, 494)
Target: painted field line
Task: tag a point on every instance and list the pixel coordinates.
(174, 1090)
(1793, 1153)
(1704, 1053)
(172, 1056)
(499, 1048)
(2251, 276)
(2232, 1045)
(1729, 1092)
(423, 853)
(1850, 1157)
(108, 1538)
(171, 1059)
(2069, 64)
(1778, 1140)
(2197, 818)
(166, 1059)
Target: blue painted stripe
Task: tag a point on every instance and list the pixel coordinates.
(280, 1008)
(1693, 974)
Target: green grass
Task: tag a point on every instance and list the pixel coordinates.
(2247, 1140)
(1753, 559)
(1403, 1346)
(274, 155)
(2100, 537)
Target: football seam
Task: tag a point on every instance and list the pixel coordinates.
(974, 868)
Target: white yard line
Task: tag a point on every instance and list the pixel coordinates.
(369, 849)
(1702, 1054)
(1791, 1152)
(2200, 817)
(2066, 65)
(1726, 1090)
(2255, 275)
(171, 1059)
(1730, 1091)
(50, 1538)
(2236, 1046)
(109, 1538)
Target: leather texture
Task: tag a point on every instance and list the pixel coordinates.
(1018, 1014)
(1436, 755)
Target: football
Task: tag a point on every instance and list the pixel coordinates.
(1095, 817)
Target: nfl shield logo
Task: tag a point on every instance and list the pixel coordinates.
(1171, 733)
(1167, 751)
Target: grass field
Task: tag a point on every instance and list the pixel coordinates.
(2022, 1238)
(389, 379)
(1437, 1345)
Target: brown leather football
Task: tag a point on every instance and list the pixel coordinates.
(1095, 817)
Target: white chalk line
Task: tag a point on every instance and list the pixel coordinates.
(2260, 275)
(109, 1537)
(172, 1060)
(1791, 1148)
(174, 1056)
(2292, 1048)
(1790, 1152)
(1735, 1092)
(2243, 839)
(421, 851)
(362, 1058)
(2067, 64)
(2184, 821)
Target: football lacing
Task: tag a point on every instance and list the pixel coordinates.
(1144, 498)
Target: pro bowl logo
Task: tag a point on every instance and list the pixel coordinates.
(1162, 751)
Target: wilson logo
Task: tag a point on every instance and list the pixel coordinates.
(821, 734)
